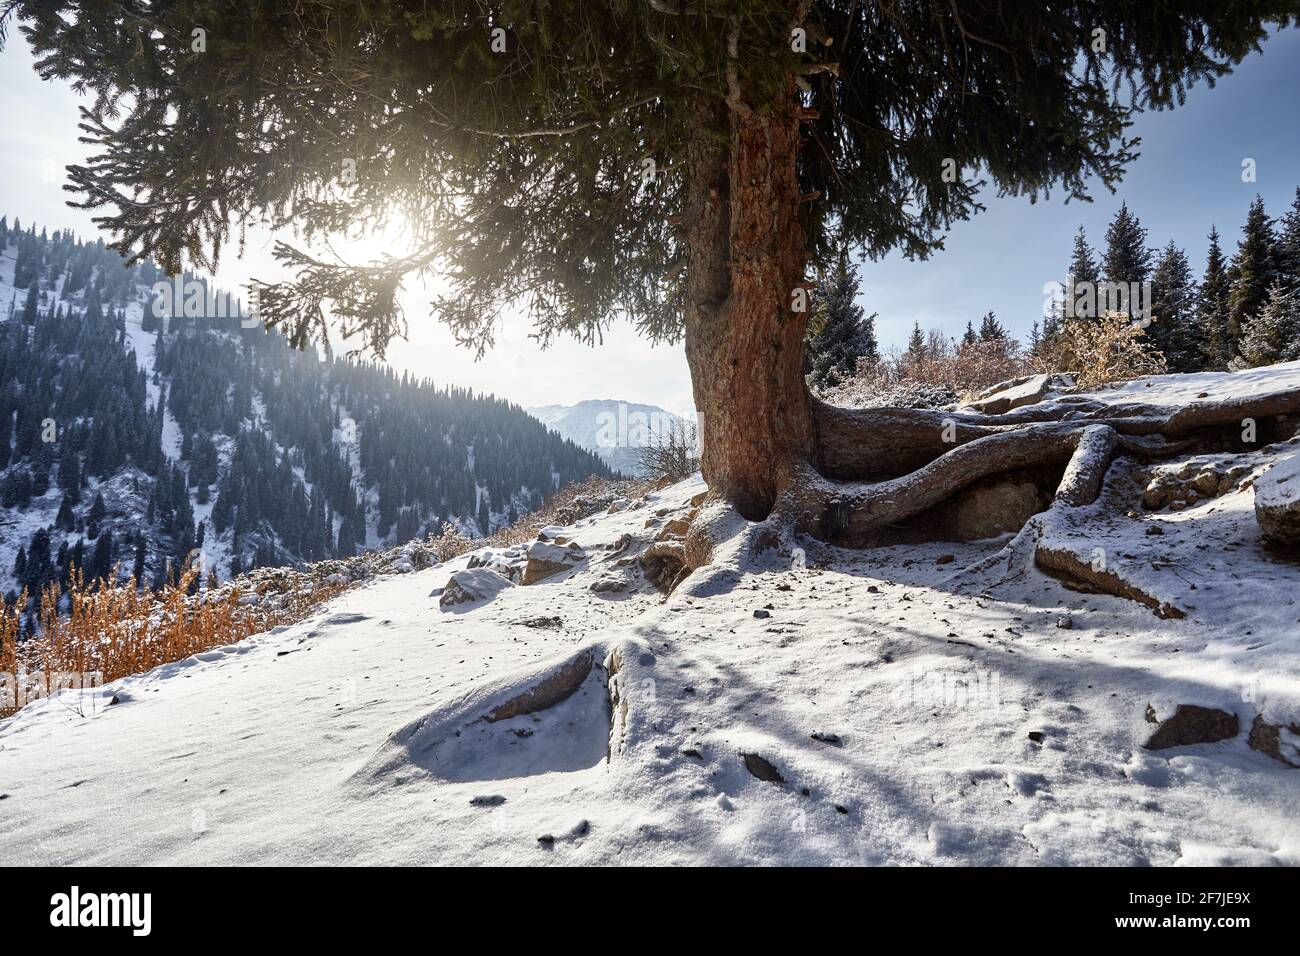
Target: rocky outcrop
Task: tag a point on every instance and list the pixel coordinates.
(546, 559)
(1005, 396)
(1277, 501)
(471, 585)
(1191, 483)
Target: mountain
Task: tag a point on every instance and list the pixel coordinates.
(612, 429)
(133, 439)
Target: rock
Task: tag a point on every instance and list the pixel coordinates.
(1191, 724)
(1156, 496)
(826, 737)
(1277, 501)
(761, 769)
(473, 584)
(1012, 394)
(617, 505)
(1036, 736)
(608, 585)
(989, 510)
(1065, 623)
(762, 614)
(546, 560)
(1206, 483)
(698, 499)
(945, 559)
(676, 528)
(544, 622)
(1279, 741)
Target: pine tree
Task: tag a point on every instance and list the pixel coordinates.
(845, 335)
(916, 342)
(1175, 330)
(1127, 262)
(1212, 312)
(64, 519)
(97, 513)
(1081, 279)
(1288, 246)
(991, 330)
(969, 337)
(29, 305)
(1083, 263)
(141, 553)
(1273, 334)
(1252, 272)
(103, 559)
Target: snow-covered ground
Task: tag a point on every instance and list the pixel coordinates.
(915, 713)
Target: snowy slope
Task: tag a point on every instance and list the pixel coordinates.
(918, 714)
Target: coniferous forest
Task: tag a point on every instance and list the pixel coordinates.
(129, 440)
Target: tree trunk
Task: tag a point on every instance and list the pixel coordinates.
(776, 456)
(744, 336)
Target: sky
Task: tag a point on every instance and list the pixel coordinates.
(1189, 174)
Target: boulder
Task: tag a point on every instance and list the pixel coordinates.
(472, 584)
(990, 510)
(1005, 396)
(546, 559)
(1279, 741)
(1191, 724)
(1277, 501)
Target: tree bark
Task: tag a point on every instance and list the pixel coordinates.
(744, 336)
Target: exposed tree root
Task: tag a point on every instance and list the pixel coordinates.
(1065, 564)
(933, 455)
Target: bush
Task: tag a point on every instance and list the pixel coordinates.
(1100, 351)
(672, 453)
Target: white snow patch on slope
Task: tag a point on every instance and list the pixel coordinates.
(895, 698)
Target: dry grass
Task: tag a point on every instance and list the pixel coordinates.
(112, 631)
(574, 501)
(1101, 351)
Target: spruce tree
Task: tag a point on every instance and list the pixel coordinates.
(1175, 330)
(1127, 261)
(916, 342)
(1288, 246)
(1273, 334)
(1083, 263)
(1253, 271)
(846, 335)
(1212, 311)
(679, 163)
(991, 329)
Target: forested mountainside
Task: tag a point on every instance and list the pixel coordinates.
(134, 440)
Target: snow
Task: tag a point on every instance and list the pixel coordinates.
(919, 711)
(1279, 487)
